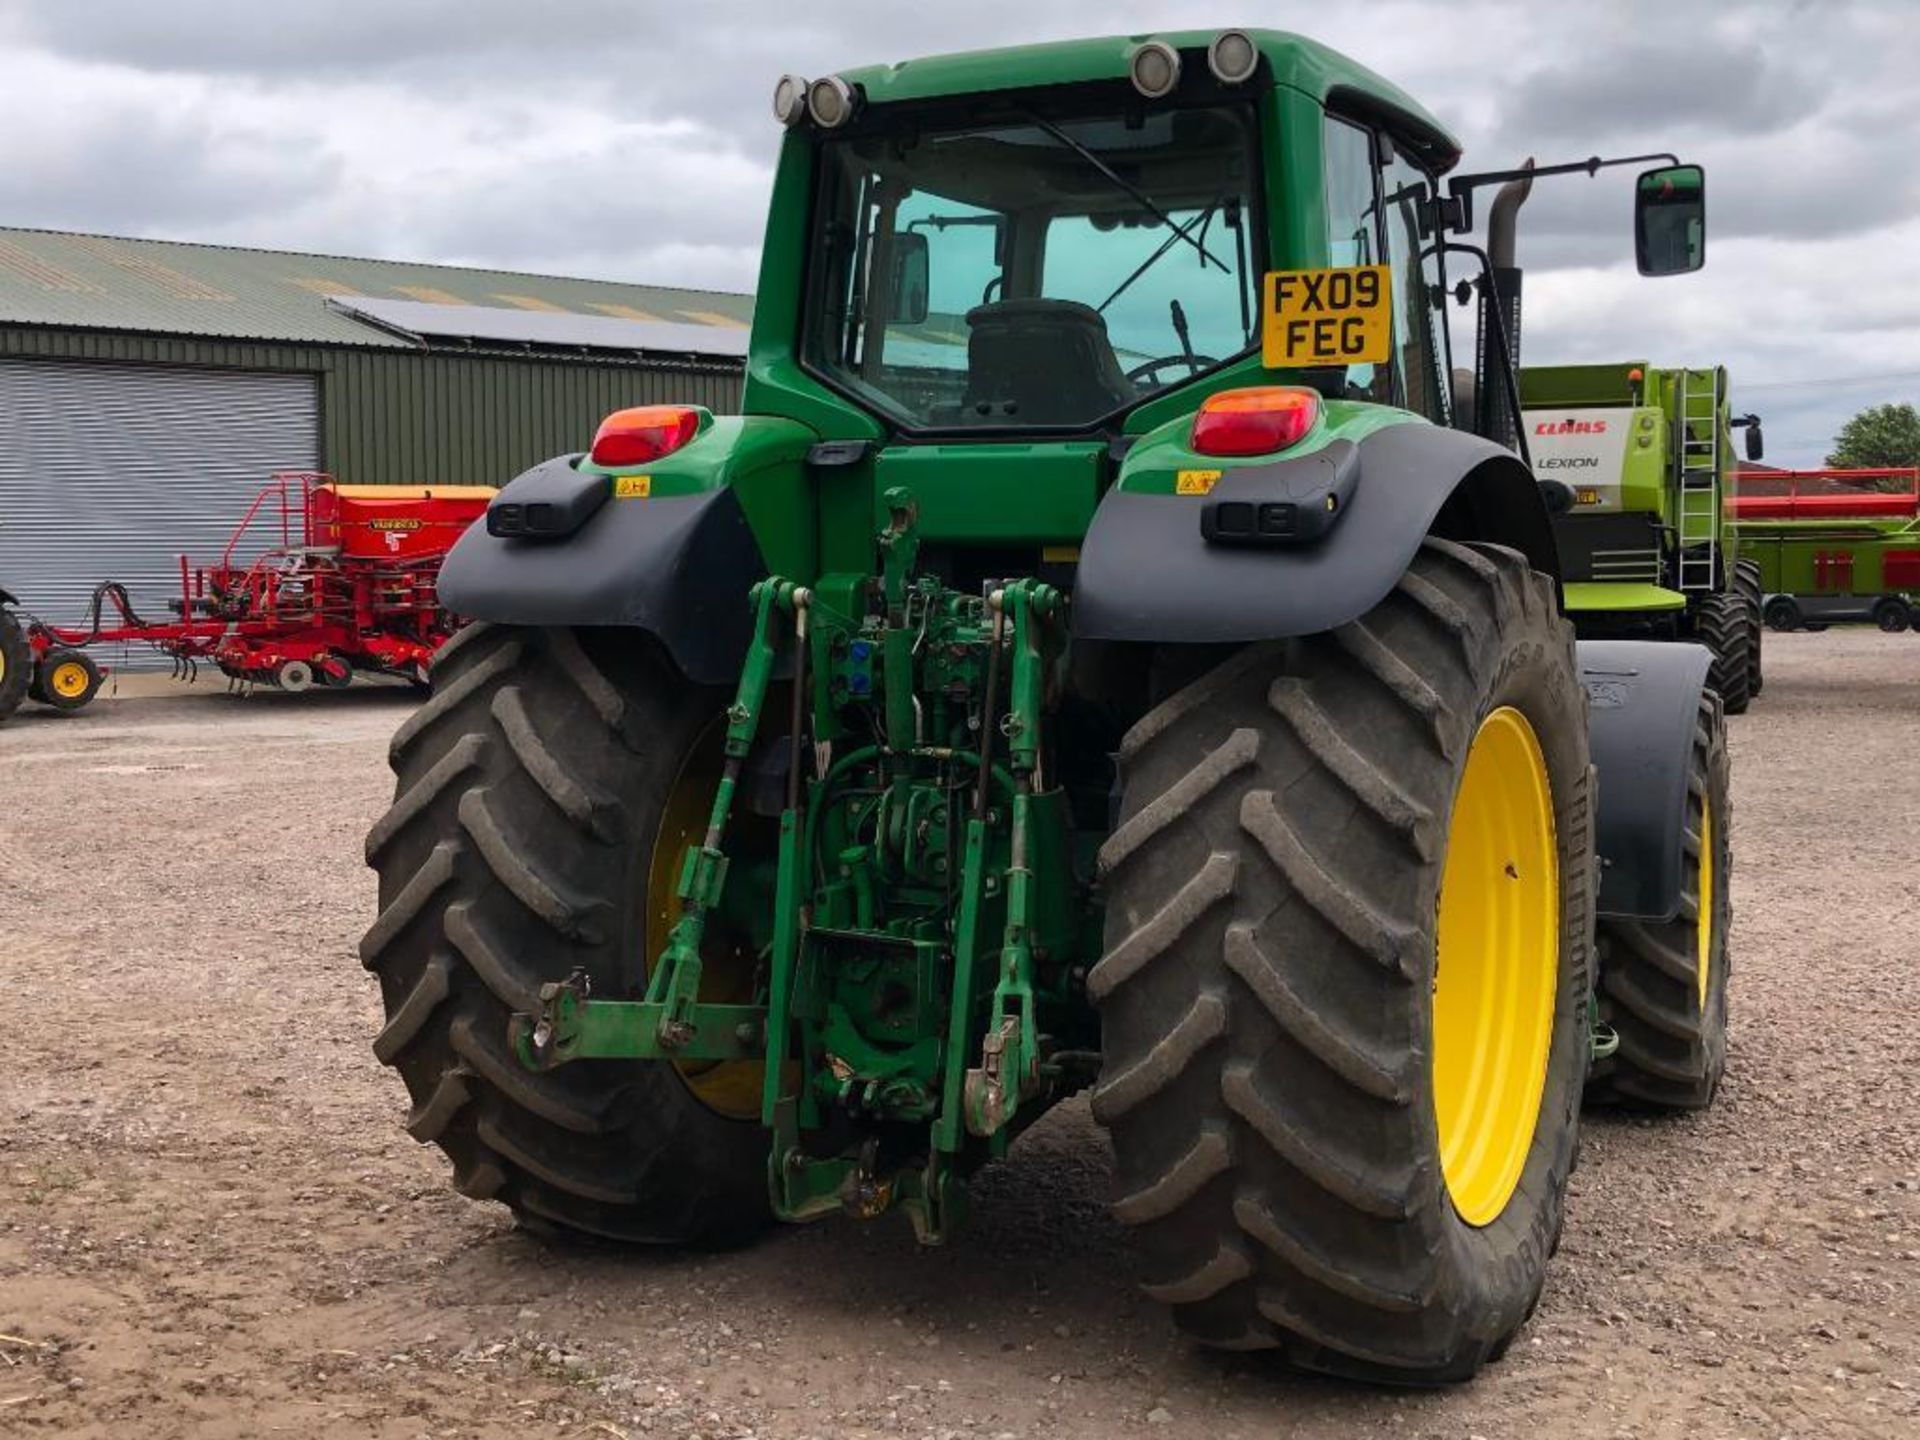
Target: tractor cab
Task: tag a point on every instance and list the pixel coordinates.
(1052, 261)
(975, 273)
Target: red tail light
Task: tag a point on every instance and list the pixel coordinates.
(643, 434)
(1255, 421)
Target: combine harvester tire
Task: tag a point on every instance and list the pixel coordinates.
(1724, 630)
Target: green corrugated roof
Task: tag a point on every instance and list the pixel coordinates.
(51, 277)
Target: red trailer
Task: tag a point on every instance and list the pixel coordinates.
(1885, 494)
(344, 583)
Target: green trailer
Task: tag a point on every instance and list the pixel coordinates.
(1094, 658)
(1645, 457)
(1833, 546)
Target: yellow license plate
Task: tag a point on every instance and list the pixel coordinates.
(1337, 316)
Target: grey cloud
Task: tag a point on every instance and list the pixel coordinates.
(1738, 88)
(523, 134)
(100, 167)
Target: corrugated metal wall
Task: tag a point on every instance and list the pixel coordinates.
(398, 417)
(404, 418)
(93, 486)
(109, 472)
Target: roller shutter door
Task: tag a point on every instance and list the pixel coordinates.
(109, 472)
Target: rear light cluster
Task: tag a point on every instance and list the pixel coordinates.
(1257, 420)
(643, 434)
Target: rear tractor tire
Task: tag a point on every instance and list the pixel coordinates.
(1721, 625)
(1663, 987)
(16, 662)
(534, 788)
(1344, 998)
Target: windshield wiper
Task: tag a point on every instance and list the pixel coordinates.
(1181, 231)
(1203, 220)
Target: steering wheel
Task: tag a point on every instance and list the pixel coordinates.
(1144, 374)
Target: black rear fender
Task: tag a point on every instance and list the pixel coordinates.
(1643, 701)
(1147, 572)
(677, 566)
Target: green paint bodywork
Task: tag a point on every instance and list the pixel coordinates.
(1154, 463)
(1630, 598)
(1834, 557)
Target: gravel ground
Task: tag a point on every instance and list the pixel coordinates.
(212, 1224)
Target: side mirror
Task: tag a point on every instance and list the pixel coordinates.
(1756, 443)
(909, 278)
(1670, 220)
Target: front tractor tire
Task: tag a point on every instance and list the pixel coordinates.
(1663, 987)
(1344, 998)
(531, 791)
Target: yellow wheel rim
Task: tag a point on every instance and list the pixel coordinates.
(1496, 967)
(68, 680)
(728, 1087)
(1703, 922)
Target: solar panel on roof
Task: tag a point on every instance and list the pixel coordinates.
(424, 320)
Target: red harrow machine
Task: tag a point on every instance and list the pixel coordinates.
(346, 583)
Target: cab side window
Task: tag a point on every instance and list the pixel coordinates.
(1419, 326)
(1353, 228)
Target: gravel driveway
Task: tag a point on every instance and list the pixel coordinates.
(212, 1224)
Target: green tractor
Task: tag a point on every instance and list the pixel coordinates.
(1645, 458)
(1093, 660)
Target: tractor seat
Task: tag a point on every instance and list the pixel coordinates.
(1040, 362)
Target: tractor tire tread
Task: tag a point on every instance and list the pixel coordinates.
(1274, 810)
(16, 662)
(1672, 1050)
(1721, 623)
(507, 860)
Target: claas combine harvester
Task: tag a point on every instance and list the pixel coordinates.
(1097, 656)
(344, 583)
(1646, 460)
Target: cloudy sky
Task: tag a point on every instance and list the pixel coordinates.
(630, 139)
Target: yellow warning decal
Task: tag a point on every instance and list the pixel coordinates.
(1059, 554)
(632, 487)
(1586, 496)
(1337, 316)
(1195, 482)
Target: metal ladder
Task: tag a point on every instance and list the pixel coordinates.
(1696, 463)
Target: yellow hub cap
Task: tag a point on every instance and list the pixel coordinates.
(730, 1087)
(68, 680)
(1703, 922)
(1497, 966)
